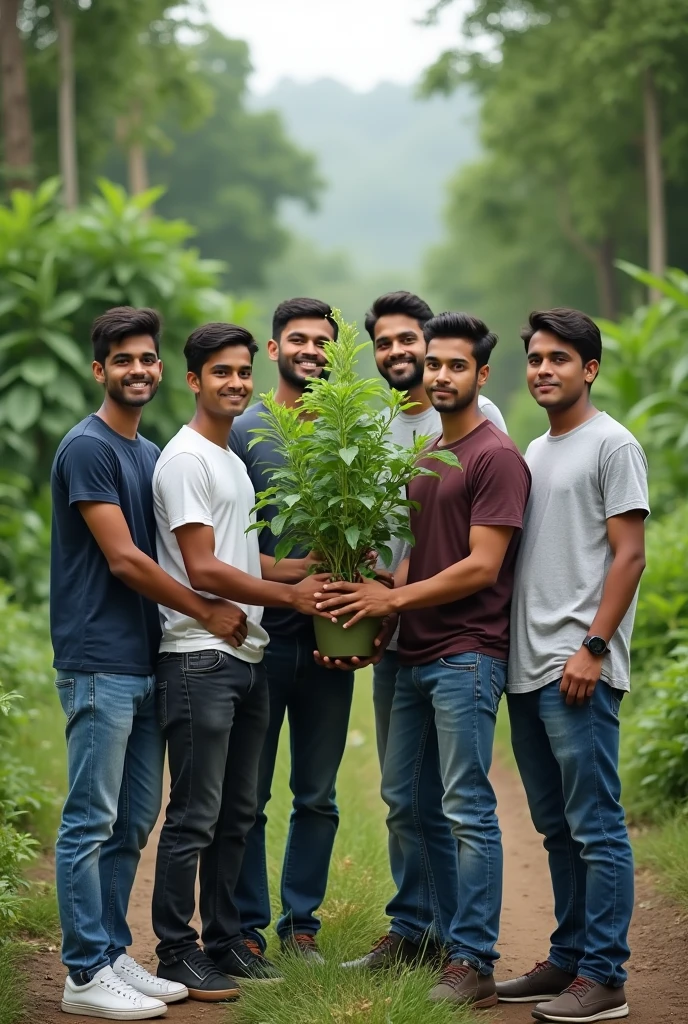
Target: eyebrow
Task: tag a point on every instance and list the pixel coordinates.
(554, 352)
(302, 334)
(458, 359)
(226, 366)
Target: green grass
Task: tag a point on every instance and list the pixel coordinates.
(11, 983)
(663, 850)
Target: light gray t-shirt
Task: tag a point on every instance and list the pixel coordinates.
(196, 481)
(403, 431)
(580, 479)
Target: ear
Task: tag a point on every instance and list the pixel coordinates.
(193, 381)
(98, 371)
(483, 374)
(591, 369)
(273, 350)
(161, 369)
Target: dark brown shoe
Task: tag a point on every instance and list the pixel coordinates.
(462, 985)
(305, 946)
(391, 951)
(585, 1001)
(545, 981)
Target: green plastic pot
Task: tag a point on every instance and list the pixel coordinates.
(336, 642)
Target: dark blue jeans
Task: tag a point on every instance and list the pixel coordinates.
(568, 759)
(424, 872)
(461, 694)
(317, 703)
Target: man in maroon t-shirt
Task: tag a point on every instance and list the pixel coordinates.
(454, 594)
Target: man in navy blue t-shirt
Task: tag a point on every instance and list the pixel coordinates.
(104, 589)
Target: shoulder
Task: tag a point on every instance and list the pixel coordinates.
(250, 418)
(536, 448)
(85, 440)
(491, 410)
(149, 449)
(613, 436)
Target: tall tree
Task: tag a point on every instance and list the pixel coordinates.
(66, 105)
(16, 112)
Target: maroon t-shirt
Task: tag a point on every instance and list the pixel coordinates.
(491, 489)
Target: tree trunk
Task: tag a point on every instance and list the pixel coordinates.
(66, 108)
(138, 168)
(605, 275)
(16, 111)
(654, 175)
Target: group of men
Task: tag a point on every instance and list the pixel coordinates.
(175, 629)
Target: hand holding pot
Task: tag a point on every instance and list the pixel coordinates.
(381, 641)
(369, 599)
(305, 593)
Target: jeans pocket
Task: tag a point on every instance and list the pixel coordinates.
(460, 662)
(203, 661)
(497, 682)
(65, 691)
(161, 703)
(615, 698)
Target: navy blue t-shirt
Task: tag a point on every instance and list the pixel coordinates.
(261, 461)
(97, 622)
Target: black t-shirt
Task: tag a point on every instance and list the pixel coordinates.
(261, 461)
(98, 623)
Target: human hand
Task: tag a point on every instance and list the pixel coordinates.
(225, 620)
(304, 593)
(389, 624)
(369, 599)
(581, 675)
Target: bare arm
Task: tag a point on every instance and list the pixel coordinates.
(288, 570)
(626, 534)
(133, 567)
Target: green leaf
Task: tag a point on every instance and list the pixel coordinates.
(7, 304)
(278, 523)
(67, 349)
(352, 534)
(291, 499)
(38, 372)
(63, 306)
(366, 499)
(349, 454)
(22, 407)
(385, 553)
(284, 548)
(404, 533)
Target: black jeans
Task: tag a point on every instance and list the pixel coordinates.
(213, 711)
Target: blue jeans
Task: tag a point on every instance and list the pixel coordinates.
(115, 759)
(462, 693)
(425, 873)
(317, 702)
(568, 759)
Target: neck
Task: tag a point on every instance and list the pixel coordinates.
(123, 419)
(419, 395)
(288, 394)
(213, 428)
(562, 421)
(456, 425)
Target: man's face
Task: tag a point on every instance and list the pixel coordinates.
(300, 351)
(131, 372)
(452, 378)
(556, 375)
(400, 350)
(225, 385)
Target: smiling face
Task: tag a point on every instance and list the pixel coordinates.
(131, 372)
(300, 350)
(556, 375)
(400, 351)
(452, 378)
(225, 385)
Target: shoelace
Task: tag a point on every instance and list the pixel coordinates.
(201, 964)
(383, 943)
(454, 974)
(141, 974)
(254, 949)
(122, 988)
(580, 986)
(303, 939)
(541, 965)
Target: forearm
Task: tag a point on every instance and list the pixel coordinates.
(619, 590)
(288, 570)
(458, 581)
(401, 575)
(224, 580)
(145, 576)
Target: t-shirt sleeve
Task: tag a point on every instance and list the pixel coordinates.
(183, 486)
(623, 480)
(238, 441)
(89, 471)
(493, 414)
(500, 490)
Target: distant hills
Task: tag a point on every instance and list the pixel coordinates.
(385, 156)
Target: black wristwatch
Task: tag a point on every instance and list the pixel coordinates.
(596, 645)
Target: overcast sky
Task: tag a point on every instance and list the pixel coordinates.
(359, 42)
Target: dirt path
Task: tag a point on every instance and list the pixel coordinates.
(658, 936)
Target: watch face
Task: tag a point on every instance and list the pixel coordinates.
(596, 645)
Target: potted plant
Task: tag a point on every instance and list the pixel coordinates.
(342, 488)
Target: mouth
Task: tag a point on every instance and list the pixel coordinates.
(401, 364)
(309, 365)
(444, 392)
(233, 397)
(137, 386)
(546, 387)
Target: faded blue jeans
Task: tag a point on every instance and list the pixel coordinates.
(568, 759)
(424, 873)
(317, 703)
(462, 694)
(115, 757)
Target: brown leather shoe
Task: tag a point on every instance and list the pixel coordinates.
(545, 981)
(305, 946)
(584, 1001)
(461, 984)
(393, 950)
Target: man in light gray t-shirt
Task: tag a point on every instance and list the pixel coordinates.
(581, 557)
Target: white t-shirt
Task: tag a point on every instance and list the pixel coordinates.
(196, 481)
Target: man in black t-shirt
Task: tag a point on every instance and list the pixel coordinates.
(104, 589)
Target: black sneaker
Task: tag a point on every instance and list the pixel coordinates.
(246, 960)
(201, 977)
(303, 945)
(392, 950)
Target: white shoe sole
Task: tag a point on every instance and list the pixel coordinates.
(615, 1014)
(528, 999)
(176, 997)
(84, 1010)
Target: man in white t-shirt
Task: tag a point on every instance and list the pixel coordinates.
(427, 887)
(212, 693)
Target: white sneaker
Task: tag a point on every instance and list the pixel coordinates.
(109, 997)
(126, 968)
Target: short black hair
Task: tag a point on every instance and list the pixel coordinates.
(575, 328)
(301, 309)
(397, 304)
(463, 325)
(122, 322)
(210, 338)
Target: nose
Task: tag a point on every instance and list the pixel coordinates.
(397, 350)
